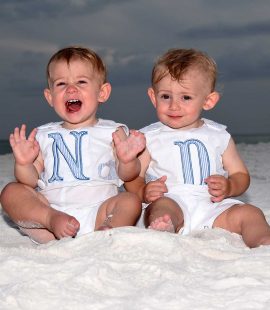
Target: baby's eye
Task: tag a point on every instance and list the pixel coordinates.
(165, 96)
(59, 84)
(186, 98)
(82, 82)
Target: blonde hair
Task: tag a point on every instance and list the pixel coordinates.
(177, 62)
(78, 52)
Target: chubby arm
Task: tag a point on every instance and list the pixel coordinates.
(127, 149)
(28, 160)
(238, 176)
(136, 186)
(147, 192)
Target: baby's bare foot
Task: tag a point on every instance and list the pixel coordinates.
(62, 225)
(163, 223)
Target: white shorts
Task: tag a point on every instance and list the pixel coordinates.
(199, 212)
(82, 202)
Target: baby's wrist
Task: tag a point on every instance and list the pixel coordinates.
(127, 161)
(23, 165)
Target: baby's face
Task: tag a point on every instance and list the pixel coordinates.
(179, 103)
(74, 92)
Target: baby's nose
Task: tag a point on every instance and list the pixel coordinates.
(71, 88)
(174, 104)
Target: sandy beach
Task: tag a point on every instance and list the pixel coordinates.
(134, 268)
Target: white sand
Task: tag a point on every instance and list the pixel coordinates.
(133, 268)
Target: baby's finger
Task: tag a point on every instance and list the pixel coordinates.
(153, 196)
(216, 193)
(22, 132)
(12, 140)
(162, 179)
(154, 186)
(215, 186)
(32, 135)
(217, 199)
(16, 134)
(134, 132)
(116, 138)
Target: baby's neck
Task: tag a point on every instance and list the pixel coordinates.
(71, 126)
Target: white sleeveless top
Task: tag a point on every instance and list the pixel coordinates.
(80, 156)
(186, 157)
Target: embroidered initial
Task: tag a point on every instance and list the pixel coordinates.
(186, 160)
(75, 164)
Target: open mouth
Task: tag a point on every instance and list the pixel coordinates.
(73, 105)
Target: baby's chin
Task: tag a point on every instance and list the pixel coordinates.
(177, 123)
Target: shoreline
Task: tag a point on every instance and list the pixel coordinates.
(238, 138)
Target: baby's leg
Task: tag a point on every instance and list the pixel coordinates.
(165, 215)
(32, 212)
(248, 221)
(121, 210)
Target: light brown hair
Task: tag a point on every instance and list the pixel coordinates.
(77, 52)
(177, 62)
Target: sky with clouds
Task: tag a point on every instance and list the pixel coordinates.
(130, 35)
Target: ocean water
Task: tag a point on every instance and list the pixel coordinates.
(251, 139)
(4, 147)
(248, 139)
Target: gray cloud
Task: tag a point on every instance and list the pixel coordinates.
(234, 66)
(225, 31)
(22, 10)
(130, 35)
(26, 74)
(135, 72)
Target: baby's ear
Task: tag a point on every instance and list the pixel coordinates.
(48, 96)
(151, 94)
(104, 93)
(211, 100)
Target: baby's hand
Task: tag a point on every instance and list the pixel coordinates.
(218, 187)
(129, 147)
(25, 150)
(155, 189)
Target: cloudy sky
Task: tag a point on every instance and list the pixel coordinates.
(130, 35)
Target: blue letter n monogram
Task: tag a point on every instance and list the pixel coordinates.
(75, 164)
(187, 160)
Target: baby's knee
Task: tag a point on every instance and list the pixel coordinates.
(135, 201)
(249, 209)
(7, 192)
(8, 187)
(130, 197)
(131, 200)
(248, 212)
(254, 211)
(12, 188)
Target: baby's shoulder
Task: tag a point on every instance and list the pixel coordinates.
(213, 125)
(110, 124)
(152, 128)
(49, 126)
